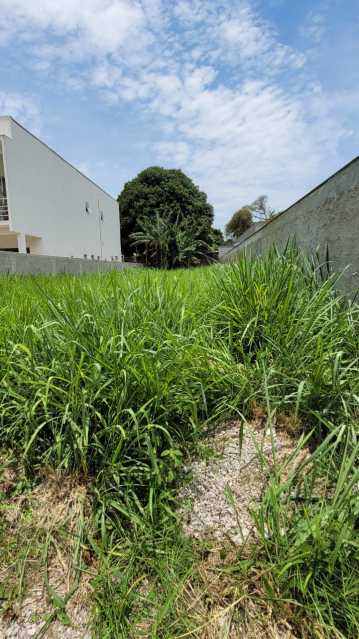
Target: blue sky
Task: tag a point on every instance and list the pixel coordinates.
(245, 96)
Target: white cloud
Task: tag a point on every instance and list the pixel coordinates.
(256, 139)
(21, 107)
(90, 27)
(315, 26)
(212, 75)
(188, 12)
(178, 152)
(126, 30)
(248, 39)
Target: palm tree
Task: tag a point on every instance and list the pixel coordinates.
(170, 243)
(190, 248)
(155, 235)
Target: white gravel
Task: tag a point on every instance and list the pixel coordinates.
(217, 500)
(25, 627)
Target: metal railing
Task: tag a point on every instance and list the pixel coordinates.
(4, 211)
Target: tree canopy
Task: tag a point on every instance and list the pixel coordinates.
(166, 219)
(243, 219)
(240, 221)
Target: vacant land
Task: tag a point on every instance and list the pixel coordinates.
(110, 387)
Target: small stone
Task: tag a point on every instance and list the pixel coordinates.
(222, 492)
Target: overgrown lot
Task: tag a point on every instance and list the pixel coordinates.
(111, 381)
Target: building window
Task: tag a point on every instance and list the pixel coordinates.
(87, 207)
(2, 186)
(101, 216)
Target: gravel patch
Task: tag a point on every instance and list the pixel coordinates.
(25, 627)
(217, 499)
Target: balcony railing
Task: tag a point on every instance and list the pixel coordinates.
(4, 211)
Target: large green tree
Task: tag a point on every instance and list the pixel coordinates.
(240, 221)
(166, 219)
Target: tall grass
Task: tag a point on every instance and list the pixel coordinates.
(113, 377)
(277, 314)
(308, 531)
(96, 377)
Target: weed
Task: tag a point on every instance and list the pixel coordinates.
(114, 378)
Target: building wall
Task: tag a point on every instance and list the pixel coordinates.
(325, 219)
(47, 201)
(8, 241)
(21, 264)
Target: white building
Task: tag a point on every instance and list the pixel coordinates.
(47, 206)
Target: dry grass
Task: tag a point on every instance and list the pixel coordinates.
(43, 565)
(221, 606)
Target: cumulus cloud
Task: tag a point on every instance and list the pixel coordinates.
(98, 25)
(249, 39)
(255, 139)
(22, 107)
(178, 152)
(211, 72)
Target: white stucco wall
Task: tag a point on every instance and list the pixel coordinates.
(47, 200)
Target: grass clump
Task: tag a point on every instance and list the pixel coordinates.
(113, 378)
(308, 530)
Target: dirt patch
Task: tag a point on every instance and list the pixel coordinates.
(44, 537)
(217, 501)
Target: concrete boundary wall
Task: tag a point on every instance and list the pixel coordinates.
(20, 264)
(326, 219)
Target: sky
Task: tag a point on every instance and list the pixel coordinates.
(247, 97)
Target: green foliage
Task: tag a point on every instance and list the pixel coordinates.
(240, 221)
(160, 210)
(218, 237)
(276, 312)
(113, 376)
(243, 219)
(154, 236)
(167, 245)
(142, 588)
(307, 526)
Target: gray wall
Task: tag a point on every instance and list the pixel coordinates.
(19, 263)
(328, 217)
